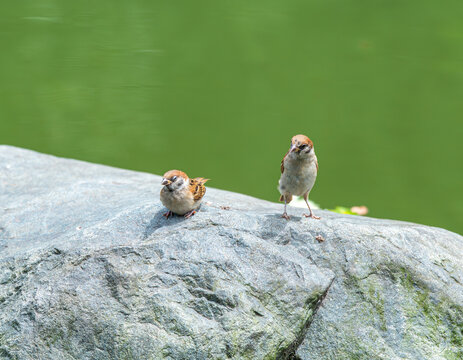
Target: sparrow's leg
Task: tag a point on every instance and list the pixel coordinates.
(168, 214)
(285, 214)
(311, 215)
(189, 214)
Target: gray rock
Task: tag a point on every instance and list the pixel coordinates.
(89, 269)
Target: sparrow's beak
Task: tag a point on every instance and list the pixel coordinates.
(293, 148)
(165, 182)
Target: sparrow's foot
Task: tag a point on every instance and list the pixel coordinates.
(189, 214)
(312, 216)
(285, 216)
(168, 214)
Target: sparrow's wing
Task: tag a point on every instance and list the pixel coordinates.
(197, 188)
(283, 162)
(316, 163)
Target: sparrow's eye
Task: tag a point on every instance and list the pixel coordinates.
(303, 146)
(174, 178)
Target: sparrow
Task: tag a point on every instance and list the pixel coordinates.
(299, 169)
(181, 195)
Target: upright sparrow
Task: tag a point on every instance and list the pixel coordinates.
(181, 195)
(299, 170)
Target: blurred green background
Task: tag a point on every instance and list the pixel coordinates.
(217, 89)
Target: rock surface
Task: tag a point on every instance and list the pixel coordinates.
(89, 269)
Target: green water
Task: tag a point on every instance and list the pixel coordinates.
(217, 89)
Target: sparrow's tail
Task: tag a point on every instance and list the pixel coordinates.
(288, 198)
(201, 180)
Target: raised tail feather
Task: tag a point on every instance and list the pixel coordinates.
(201, 180)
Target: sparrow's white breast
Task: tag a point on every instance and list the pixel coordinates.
(298, 176)
(179, 201)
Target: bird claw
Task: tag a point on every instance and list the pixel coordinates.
(168, 214)
(189, 214)
(312, 216)
(285, 216)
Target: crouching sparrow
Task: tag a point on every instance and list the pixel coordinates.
(299, 170)
(181, 195)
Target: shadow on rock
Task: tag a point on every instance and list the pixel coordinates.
(158, 221)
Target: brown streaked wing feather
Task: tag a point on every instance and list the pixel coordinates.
(316, 163)
(283, 162)
(197, 188)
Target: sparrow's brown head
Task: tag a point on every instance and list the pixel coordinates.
(174, 179)
(301, 143)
